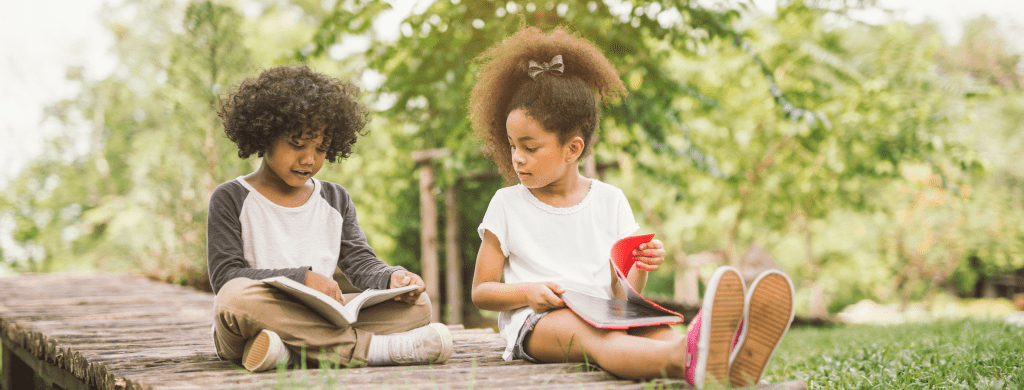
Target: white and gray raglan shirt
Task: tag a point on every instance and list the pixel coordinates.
(250, 236)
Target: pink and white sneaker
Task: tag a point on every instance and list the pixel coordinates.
(767, 314)
(712, 332)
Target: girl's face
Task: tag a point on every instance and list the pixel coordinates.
(296, 157)
(538, 157)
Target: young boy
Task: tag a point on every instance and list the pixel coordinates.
(280, 221)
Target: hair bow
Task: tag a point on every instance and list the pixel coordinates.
(555, 66)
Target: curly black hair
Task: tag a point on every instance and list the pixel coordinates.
(564, 104)
(289, 99)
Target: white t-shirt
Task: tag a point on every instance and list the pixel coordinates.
(290, 242)
(250, 236)
(569, 246)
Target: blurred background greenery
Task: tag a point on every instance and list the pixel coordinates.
(868, 161)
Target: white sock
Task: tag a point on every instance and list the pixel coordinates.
(379, 355)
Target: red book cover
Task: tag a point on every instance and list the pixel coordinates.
(631, 312)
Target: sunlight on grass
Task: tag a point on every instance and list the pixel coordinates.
(952, 354)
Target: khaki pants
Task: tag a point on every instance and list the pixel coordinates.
(244, 307)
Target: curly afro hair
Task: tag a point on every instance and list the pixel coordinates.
(286, 100)
(563, 104)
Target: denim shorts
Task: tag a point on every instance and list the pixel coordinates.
(519, 349)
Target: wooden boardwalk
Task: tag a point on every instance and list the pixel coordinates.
(126, 332)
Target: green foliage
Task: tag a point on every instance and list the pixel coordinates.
(865, 171)
(963, 354)
(429, 83)
(176, 151)
(137, 199)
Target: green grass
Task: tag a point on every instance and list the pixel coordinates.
(966, 354)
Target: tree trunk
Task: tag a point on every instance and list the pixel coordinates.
(817, 302)
(428, 238)
(210, 150)
(428, 227)
(96, 150)
(453, 258)
(687, 281)
(731, 252)
(590, 166)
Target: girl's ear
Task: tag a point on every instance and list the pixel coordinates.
(574, 149)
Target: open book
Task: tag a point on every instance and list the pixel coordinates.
(635, 310)
(331, 309)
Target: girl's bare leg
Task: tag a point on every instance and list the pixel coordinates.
(562, 336)
(659, 332)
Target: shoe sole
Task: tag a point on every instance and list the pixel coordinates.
(721, 313)
(256, 350)
(447, 345)
(768, 313)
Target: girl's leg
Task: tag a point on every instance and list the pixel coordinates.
(562, 336)
(659, 332)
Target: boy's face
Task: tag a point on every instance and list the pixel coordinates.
(296, 157)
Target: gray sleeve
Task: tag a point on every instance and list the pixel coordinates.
(224, 254)
(356, 260)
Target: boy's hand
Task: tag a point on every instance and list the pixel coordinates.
(544, 296)
(649, 255)
(404, 278)
(325, 285)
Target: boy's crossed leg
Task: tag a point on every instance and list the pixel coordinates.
(245, 307)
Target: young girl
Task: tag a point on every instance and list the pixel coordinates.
(535, 106)
(280, 221)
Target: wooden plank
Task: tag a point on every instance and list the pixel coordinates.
(16, 373)
(124, 332)
(19, 364)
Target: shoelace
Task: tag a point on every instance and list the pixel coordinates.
(407, 349)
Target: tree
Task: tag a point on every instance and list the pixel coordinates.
(429, 82)
(993, 231)
(815, 121)
(141, 191)
(762, 137)
(781, 132)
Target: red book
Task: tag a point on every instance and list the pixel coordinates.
(631, 312)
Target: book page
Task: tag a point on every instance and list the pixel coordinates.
(373, 296)
(329, 308)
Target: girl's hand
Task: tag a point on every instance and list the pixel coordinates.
(405, 278)
(544, 296)
(325, 285)
(649, 255)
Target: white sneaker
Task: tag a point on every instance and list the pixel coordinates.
(264, 352)
(431, 344)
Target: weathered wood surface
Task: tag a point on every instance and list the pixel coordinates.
(126, 332)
